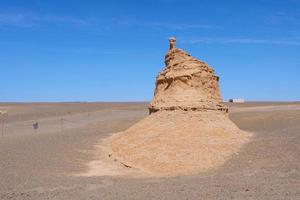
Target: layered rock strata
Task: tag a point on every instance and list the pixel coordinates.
(186, 84)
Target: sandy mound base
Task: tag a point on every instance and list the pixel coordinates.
(176, 143)
(104, 165)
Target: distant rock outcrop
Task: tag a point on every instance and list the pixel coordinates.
(188, 130)
(2, 112)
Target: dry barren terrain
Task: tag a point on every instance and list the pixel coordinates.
(46, 163)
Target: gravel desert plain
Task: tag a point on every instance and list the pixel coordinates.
(51, 162)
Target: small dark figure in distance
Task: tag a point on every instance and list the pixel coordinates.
(35, 125)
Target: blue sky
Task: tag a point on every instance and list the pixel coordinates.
(94, 50)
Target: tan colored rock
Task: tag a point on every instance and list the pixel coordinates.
(186, 84)
(172, 42)
(188, 130)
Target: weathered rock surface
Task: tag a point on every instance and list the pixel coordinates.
(186, 84)
(188, 130)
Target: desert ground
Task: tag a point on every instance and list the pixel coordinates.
(48, 162)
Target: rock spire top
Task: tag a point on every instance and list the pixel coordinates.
(172, 41)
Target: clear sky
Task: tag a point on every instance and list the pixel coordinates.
(96, 50)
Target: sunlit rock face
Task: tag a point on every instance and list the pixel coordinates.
(186, 84)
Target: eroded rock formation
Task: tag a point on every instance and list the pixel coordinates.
(186, 84)
(188, 130)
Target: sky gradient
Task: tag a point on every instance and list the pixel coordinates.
(91, 50)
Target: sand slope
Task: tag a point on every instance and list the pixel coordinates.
(178, 143)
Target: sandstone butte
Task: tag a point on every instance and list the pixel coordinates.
(188, 130)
